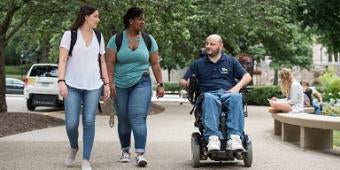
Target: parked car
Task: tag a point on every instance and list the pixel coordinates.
(14, 86)
(41, 87)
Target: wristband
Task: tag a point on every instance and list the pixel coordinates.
(61, 80)
(160, 84)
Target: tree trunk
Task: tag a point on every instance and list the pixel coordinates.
(276, 76)
(169, 72)
(3, 105)
(45, 50)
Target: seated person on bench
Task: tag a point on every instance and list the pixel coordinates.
(216, 73)
(293, 91)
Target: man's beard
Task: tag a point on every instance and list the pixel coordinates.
(213, 53)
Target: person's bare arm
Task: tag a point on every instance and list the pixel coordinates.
(63, 54)
(246, 78)
(183, 83)
(318, 95)
(110, 58)
(106, 88)
(156, 69)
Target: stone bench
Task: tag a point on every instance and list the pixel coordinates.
(309, 130)
(308, 109)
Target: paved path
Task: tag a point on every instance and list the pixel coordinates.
(168, 146)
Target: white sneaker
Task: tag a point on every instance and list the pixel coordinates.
(141, 161)
(214, 143)
(85, 165)
(71, 156)
(235, 143)
(125, 157)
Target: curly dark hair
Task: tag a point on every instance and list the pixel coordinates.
(132, 13)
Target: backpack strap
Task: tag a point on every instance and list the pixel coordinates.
(119, 40)
(73, 41)
(99, 37)
(147, 40)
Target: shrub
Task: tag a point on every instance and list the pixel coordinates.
(332, 110)
(170, 87)
(330, 86)
(258, 95)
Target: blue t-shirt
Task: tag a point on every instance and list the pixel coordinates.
(215, 76)
(130, 65)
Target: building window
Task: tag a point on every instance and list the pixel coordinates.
(330, 58)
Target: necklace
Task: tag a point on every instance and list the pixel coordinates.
(134, 39)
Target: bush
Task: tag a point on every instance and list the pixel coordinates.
(331, 110)
(330, 86)
(258, 95)
(170, 87)
(17, 69)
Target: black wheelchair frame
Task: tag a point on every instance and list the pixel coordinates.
(199, 143)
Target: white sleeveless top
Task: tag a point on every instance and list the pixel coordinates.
(296, 97)
(82, 68)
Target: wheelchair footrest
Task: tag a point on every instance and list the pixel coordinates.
(221, 155)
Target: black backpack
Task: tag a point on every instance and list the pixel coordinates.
(146, 38)
(73, 42)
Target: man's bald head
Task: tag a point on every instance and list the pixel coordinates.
(214, 45)
(214, 37)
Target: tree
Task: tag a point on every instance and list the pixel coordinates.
(323, 17)
(14, 15)
(273, 28)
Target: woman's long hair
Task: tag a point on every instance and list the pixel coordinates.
(84, 11)
(132, 13)
(286, 77)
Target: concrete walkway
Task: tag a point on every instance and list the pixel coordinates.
(168, 145)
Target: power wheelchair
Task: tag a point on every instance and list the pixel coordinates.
(199, 148)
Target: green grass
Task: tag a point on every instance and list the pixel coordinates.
(336, 138)
(16, 76)
(15, 71)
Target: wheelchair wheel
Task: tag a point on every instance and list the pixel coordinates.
(195, 149)
(248, 156)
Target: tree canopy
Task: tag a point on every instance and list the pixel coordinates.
(280, 29)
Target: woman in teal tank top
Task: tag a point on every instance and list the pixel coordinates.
(128, 63)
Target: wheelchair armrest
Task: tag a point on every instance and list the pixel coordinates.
(246, 89)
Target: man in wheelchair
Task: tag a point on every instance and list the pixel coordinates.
(216, 74)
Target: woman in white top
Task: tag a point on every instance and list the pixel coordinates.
(81, 76)
(292, 90)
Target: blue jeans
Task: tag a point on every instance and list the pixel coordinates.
(211, 107)
(72, 103)
(132, 105)
(317, 107)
